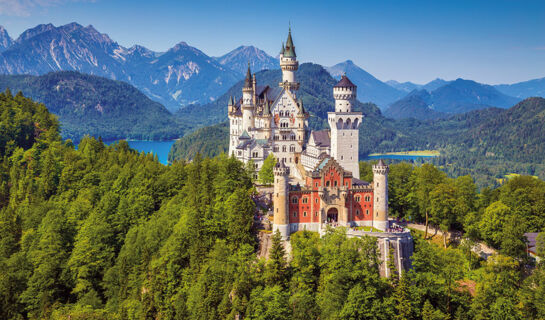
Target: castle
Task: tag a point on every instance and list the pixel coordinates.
(316, 179)
(316, 176)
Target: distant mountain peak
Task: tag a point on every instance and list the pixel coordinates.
(32, 32)
(237, 59)
(5, 40)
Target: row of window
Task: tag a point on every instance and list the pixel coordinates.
(316, 213)
(284, 137)
(304, 200)
(304, 214)
(367, 198)
(284, 148)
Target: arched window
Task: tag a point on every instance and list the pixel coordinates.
(284, 148)
(357, 198)
(294, 200)
(367, 212)
(304, 213)
(335, 183)
(275, 149)
(292, 148)
(340, 124)
(327, 183)
(367, 198)
(305, 200)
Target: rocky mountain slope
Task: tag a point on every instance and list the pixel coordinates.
(238, 59)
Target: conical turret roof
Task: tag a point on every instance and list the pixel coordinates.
(248, 80)
(345, 83)
(283, 49)
(290, 48)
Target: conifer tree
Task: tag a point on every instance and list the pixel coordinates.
(277, 265)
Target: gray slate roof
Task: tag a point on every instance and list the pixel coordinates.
(321, 138)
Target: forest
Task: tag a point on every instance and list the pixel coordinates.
(105, 232)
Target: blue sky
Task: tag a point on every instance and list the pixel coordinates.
(487, 41)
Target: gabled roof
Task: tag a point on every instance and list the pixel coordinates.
(345, 83)
(244, 135)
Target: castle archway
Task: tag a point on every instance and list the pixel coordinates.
(332, 215)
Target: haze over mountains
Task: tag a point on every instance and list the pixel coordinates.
(184, 75)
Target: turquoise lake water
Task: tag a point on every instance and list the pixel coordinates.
(160, 148)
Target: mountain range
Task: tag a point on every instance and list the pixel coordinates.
(185, 76)
(182, 75)
(456, 96)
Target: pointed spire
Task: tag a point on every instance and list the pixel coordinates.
(248, 80)
(301, 108)
(230, 101)
(290, 48)
(267, 107)
(283, 49)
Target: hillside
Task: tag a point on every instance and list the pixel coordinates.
(97, 106)
(414, 105)
(208, 142)
(370, 89)
(519, 129)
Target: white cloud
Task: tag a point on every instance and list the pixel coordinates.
(24, 8)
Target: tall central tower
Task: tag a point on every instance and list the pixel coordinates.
(344, 126)
(289, 64)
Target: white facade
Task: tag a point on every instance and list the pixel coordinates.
(273, 120)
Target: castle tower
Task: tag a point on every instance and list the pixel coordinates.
(380, 201)
(289, 64)
(344, 126)
(248, 102)
(280, 199)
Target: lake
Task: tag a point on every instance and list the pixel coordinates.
(397, 157)
(160, 148)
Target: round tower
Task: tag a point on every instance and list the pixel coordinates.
(380, 191)
(248, 101)
(344, 93)
(280, 199)
(289, 64)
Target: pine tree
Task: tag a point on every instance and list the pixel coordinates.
(402, 299)
(277, 265)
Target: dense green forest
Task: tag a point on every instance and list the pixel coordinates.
(97, 106)
(104, 232)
